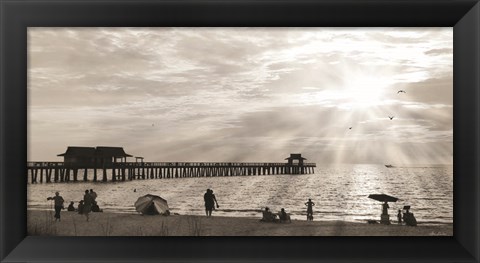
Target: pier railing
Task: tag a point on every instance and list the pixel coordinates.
(122, 171)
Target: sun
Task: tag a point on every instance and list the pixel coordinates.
(365, 92)
(355, 92)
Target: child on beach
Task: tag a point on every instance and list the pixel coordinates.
(310, 205)
(283, 216)
(71, 208)
(80, 207)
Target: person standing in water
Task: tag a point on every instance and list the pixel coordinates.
(210, 201)
(58, 203)
(310, 206)
(207, 197)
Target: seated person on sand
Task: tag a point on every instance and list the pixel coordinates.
(268, 216)
(96, 208)
(71, 208)
(80, 207)
(409, 218)
(284, 217)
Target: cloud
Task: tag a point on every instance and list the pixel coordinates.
(240, 93)
(440, 51)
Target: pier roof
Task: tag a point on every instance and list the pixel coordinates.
(111, 151)
(99, 151)
(79, 151)
(296, 156)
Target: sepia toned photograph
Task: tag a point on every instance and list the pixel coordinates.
(240, 131)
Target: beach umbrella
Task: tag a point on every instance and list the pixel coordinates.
(151, 205)
(383, 198)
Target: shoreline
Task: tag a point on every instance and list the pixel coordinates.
(40, 222)
(132, 211)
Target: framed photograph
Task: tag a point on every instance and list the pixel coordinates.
(239, 131)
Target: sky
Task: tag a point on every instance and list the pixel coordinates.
(243, 94)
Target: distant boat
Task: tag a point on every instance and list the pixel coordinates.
(389, 166)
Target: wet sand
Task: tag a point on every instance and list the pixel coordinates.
(119, 224)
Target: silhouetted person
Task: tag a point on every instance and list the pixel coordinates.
(80, 207)
(58, 204)
(268, 216)
(95, 208)
(409, 218)
(385, 208)
(310, 206)
(71, 208)
(209, 202)
(284, 217)
(399, 216)
(94, 196)
(87, 204)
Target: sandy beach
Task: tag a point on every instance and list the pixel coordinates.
(121, 224)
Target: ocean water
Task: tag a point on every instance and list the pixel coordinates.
(339, 192)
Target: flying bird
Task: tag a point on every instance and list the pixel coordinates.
(400, 91)
(391, 117)
(350, 128)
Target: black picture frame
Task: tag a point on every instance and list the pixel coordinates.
(17, 15)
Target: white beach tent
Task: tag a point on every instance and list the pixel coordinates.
(152, 205)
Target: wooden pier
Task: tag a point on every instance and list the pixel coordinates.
(39, 172)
